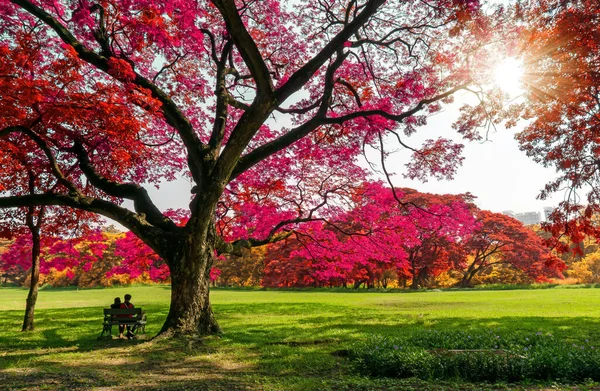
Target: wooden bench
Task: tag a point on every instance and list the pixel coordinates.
(123, 316)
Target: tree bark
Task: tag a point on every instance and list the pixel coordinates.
(190, 261)
(465, 282)
(35, 279)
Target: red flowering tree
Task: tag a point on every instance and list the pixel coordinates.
(378, 237)
(500, 239)
(29, 224)
(440, 221)
(560, 46)
(112, 95)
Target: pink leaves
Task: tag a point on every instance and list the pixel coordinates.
(374, 237)
(438, 158)
(82, 16)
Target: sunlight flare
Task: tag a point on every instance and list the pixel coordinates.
(508, 75)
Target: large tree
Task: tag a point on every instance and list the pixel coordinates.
(559, 43)
(261, 103)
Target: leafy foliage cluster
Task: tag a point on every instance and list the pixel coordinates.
(478, 356)
(93, 259)
(373, 241)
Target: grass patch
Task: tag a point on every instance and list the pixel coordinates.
(274, 340)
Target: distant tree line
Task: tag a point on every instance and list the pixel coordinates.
(423, 241)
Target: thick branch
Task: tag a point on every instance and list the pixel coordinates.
(246, 46)
(236, 247)
(303, 75)
(262, 152)
(218, 132)
(141, 201)
(135, 223)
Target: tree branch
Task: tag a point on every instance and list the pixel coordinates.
(303, 75)
(49, 155)
(142, 203)
(246, 46)
(394, 117)
(135, 223)
(218, 132)
(284, 141)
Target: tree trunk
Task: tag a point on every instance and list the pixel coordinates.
(190, 263)
(35, 279)
(465, 282)
(414, 284)
(190, 311)
(415, 279)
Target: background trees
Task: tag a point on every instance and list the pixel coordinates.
(375, 243)
(500, 239)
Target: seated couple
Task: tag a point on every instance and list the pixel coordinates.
(126, 304)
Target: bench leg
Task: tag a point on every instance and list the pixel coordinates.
(107, 328)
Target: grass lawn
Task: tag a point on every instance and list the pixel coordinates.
(273, 340)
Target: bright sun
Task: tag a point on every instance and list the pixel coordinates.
(508, 76)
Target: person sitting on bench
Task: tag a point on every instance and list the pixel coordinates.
(126, 304)
(117, 303)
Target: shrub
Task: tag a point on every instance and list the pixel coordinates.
(483, 356)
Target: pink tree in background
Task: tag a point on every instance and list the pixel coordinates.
(375, 236)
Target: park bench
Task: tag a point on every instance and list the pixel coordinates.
(127, 316)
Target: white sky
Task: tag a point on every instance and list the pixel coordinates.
(496, 172)
(500, 175)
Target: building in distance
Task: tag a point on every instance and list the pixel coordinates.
(530, 218)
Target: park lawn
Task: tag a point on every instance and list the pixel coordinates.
(273, 340)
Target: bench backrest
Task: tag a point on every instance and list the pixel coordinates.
(123, 311)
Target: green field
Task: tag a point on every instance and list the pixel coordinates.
(273, 340)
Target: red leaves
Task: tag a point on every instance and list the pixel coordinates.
(562, 52)
(120, 69)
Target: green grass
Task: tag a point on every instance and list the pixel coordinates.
(274, 340)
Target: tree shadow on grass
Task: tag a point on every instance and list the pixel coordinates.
(63, 330)
(129, 370)
(63, 353)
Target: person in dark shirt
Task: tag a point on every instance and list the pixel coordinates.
(117, 303)
(126, 304)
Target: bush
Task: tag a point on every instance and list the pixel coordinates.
(484, 356)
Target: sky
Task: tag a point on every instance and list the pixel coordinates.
(500, 175)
